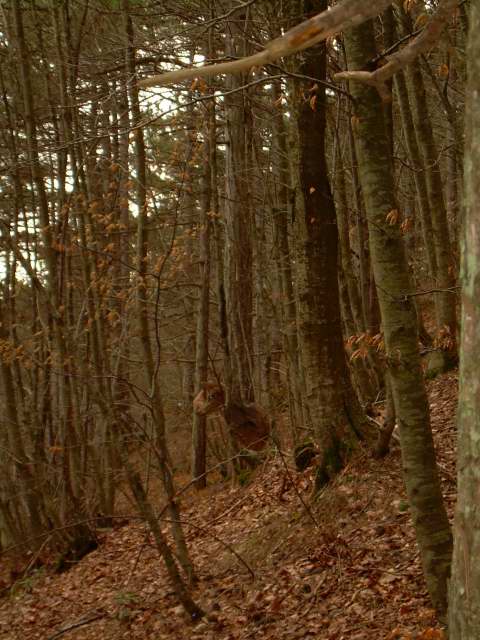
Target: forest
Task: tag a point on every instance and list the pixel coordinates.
(239, 293)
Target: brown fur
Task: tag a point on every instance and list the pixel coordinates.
(210, 398)
(248, 423)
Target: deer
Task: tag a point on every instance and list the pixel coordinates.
(248, 423)
(209, 399)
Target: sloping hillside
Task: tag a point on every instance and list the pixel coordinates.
(344, 568)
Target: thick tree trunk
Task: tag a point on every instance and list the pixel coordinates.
(399, 325)
(238, 223)
(332, 402)
(464, 603)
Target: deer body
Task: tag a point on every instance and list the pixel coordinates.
(248, 423)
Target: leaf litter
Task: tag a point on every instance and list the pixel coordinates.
(346, 568)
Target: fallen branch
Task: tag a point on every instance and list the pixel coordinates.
(322, 26)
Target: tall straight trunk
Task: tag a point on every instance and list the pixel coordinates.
(457, 135)
(264, 326)
(345, 250)
(363, 257)
(16, 444)
(238, 223)
(418, 174)
(445, 304)
(189, 210)
(10, 371)
(67, 120)
(282, 208)
(399, 322)
(32, 144)
(464, 602)
(199, 439)
(352, 301)
(389, 39)
(119, 388)
(332, 402)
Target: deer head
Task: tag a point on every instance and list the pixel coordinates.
(209, 399)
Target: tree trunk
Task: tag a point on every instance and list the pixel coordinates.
(281, 210)
(464, 603)
(333, 406)
(199, 440)
(418, 173)
(238, 223)
(445, 303)
(399, 325)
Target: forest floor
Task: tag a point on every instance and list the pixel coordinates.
(345, 568)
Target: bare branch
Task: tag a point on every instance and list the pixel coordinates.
(422, 43)
(322, 26)
(80, 623)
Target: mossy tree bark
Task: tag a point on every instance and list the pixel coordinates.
(464, 610)
(399, 325)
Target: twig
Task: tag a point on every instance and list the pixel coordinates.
(75, 625)
(217, 539)
(137, 559)
(428, 291)
(299, 495)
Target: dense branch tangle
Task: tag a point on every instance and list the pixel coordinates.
(303, 36)
(341, 17)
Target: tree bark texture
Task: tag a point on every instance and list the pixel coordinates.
(399, 325)
(329, 394)
(199, 436)
(445, 303)
(464, 602)
(238, 223)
